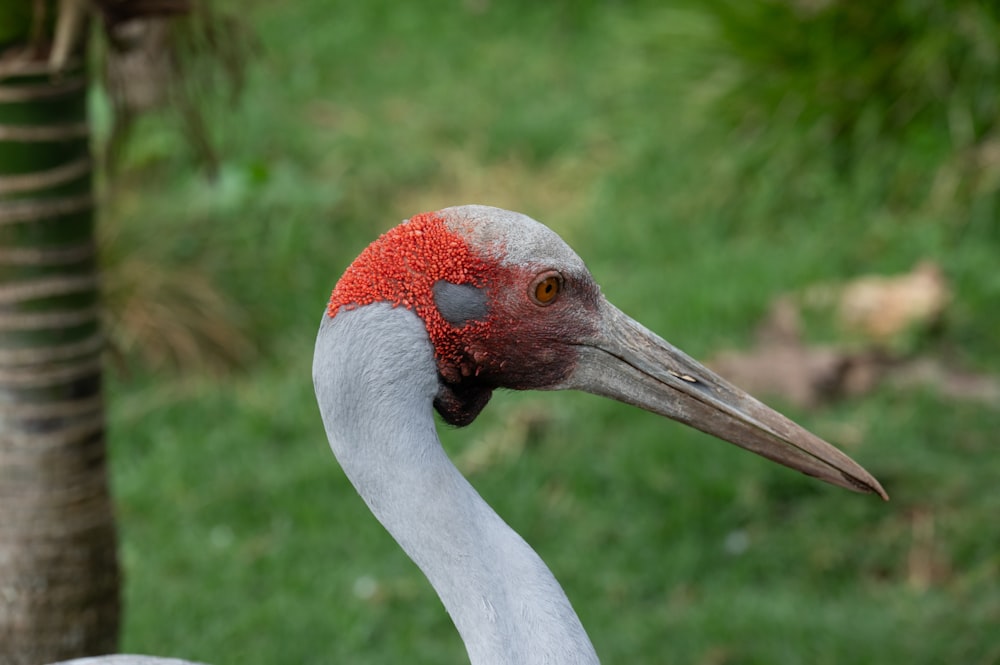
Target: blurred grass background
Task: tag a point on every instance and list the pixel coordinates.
(702, 158)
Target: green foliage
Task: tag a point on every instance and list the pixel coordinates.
(913, 85)
(244, 543)
(890, 70)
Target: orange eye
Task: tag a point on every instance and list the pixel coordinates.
(546, 288)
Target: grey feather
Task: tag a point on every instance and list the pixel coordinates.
(375, 379)
(126, 660)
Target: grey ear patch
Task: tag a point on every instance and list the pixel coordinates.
(460, 303)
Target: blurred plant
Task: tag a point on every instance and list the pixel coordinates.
(58, 556)
(167, 317)
(858, 76)
(180, 59)
(164, 62)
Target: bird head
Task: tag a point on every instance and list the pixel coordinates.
(507, 304)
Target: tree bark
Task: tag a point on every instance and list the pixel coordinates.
(59, 575)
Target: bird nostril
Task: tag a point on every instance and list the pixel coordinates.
(683, 377)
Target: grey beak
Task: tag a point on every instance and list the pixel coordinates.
(627, 362)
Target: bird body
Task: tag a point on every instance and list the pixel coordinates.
(438, 313)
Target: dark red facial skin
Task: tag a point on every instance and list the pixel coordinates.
(520, 344)
(523, 345)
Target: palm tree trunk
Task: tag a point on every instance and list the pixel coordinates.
(59, 577)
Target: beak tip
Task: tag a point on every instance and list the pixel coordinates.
(868, 485)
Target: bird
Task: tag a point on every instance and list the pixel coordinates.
(437, 314)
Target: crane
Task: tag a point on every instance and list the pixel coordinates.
(438, 313)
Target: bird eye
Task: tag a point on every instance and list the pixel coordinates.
(546, 288)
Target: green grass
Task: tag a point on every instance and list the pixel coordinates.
(244, 543)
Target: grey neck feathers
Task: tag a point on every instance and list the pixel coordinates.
(375, 381)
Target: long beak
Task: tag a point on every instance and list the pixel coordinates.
(627, 362)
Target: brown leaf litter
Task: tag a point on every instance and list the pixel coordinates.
(876, 310)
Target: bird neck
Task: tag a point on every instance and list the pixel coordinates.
(375, 381)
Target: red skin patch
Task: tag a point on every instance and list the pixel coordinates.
(401, 268)
(519, 345)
